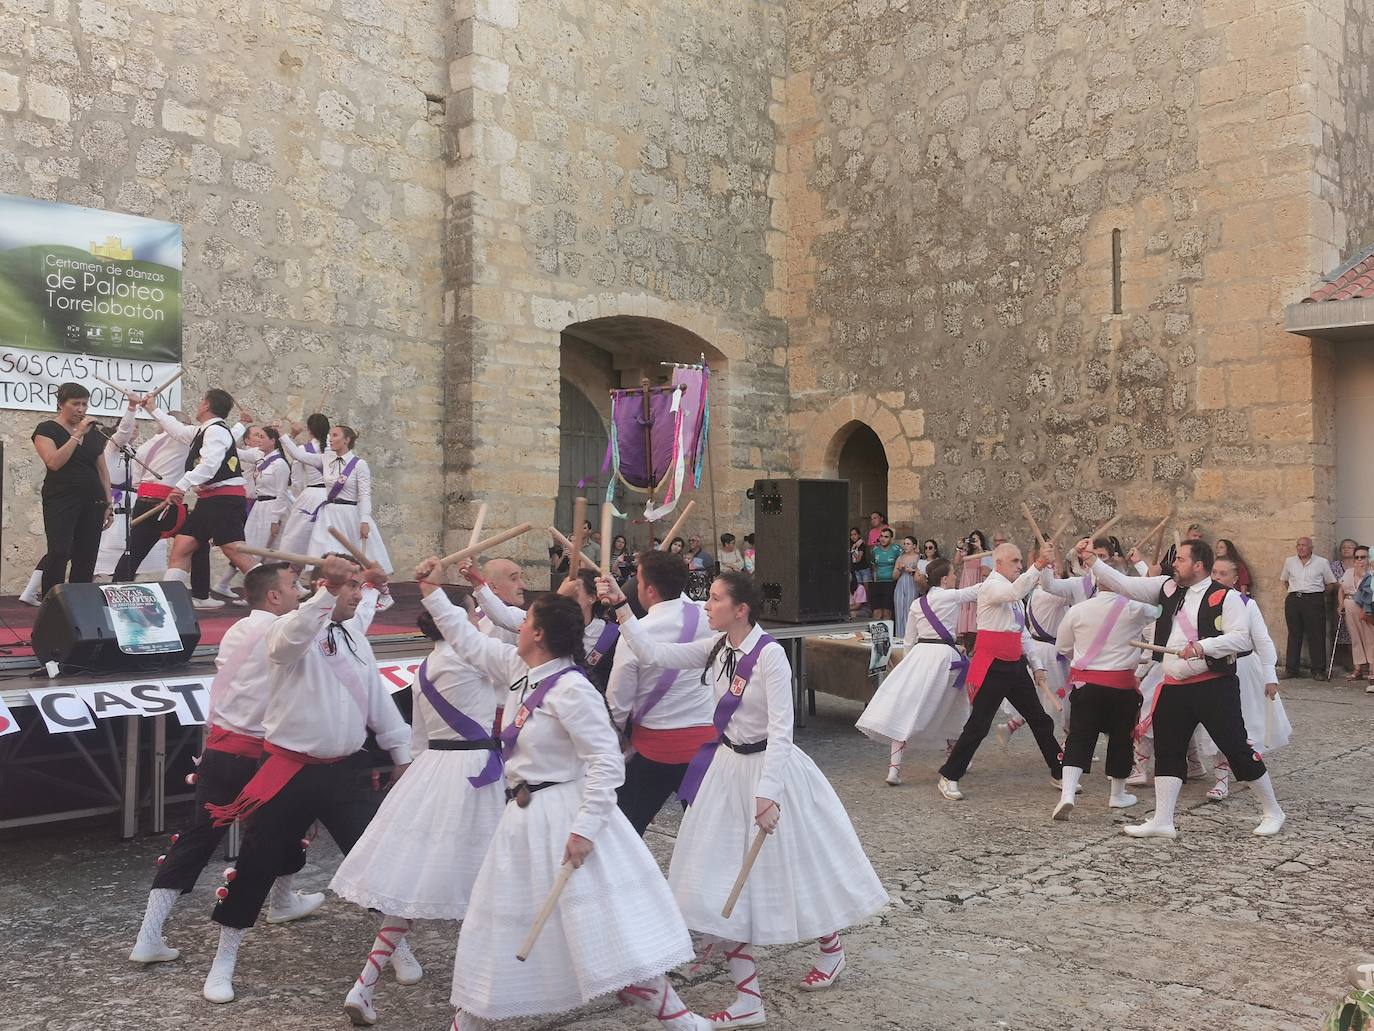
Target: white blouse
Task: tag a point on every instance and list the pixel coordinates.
(568, 736)
(945, 604)
(357, 488)
(765, 710)
(463, 686)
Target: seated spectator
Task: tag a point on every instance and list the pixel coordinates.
(730, 559)
(750, 555)
(699, 560)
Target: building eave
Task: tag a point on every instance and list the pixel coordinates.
(1351, 319)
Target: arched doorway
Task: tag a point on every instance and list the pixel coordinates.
(582, 446)
(863, 462)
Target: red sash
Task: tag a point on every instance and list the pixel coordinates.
(233, 491)
(232, 742)
(152, 490)
(1121, 679)
(282, 764)
(671, 747)
(990, 645)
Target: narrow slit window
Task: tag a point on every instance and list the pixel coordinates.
(1116, 271)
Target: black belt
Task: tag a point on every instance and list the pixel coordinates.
(266, 497)
(1044, 640)
(486, 744)
(937, 640)
(1307, 594)
(339, 501)
(520, 794)
(750, 749)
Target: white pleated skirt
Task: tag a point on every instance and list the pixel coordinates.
(917, 702)
(295, 535)
(811, 877)
(344, 518)
(615, 925)
(257, 528)
(420, 855)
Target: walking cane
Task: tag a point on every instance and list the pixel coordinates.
(1340, 622)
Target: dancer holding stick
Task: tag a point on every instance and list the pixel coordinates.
(811, 882)
(613, 926)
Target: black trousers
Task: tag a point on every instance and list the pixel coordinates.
(219, 779)
(1306, 616)
(339, 795)
(647, 786)
(144, 537)
(1103, 710)
(1010, 681)
(72, 527)
(1216, 705)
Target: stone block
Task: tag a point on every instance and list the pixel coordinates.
(47, 101)
(10, 99)
(176, 118)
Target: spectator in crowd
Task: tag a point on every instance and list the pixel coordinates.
(1360, 624)
(699, 560)
(749, 554)
(1307, 578)
(860, 572)
(656, 542)
(558, 566)
(1193, 533)
(971, 573)
(876, 522)
(1227, 549)
(591, 543)
(730, 558)
(622, 562)
(1344, 559)
(884, 558)
(930, 551)
(677, 546)
(907, 586)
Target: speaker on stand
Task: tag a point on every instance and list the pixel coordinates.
(801, 536)
(74, 628)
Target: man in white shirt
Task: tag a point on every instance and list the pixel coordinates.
(233, 751)
(1097, 634)
(666, 714)
(500, 600)
(998, 668)
(1204, 628)
(1308, 579)
(325, 696)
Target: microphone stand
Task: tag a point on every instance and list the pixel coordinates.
(130, 459)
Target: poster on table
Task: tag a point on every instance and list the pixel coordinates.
(85, 294)
(142, 618)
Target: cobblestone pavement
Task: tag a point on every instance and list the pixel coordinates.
(1000, 918)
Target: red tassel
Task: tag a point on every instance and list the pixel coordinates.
(174, 838)
(230, 874)
(305, 843)
(221, 893)
(161, 859)
(191, 779)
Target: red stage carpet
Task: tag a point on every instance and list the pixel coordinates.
(16, 620)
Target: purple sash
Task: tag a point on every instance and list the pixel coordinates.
(960, 663)
(336, 488)
(1060, 658)
(461, 724)
(1089, 586)
(268, 460)
(720, 719)
(1103, 632)
(691, 617)
(527, 709)
(610, 633)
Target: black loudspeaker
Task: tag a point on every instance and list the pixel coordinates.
(801, 536)
(75, 629)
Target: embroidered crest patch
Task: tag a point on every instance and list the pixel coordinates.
(1169, 588)
(1217, 623)
(593, 657)
(737, 686)
(521, 715)
(1216, 597)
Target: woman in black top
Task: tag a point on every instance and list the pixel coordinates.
(76, 490)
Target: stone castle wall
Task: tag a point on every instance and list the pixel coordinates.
(296, 144)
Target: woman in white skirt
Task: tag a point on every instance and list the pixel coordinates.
(1266, 721)
(420, 855)
(268, 472)
(811, 878)
(924, 700)
(307, 478)
(615, 927)
(346, 504)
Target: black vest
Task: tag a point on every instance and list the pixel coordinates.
(1208, 620)
(229, 467)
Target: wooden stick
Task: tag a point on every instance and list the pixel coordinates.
(1054, 698)
(490, 542)
(152, 513)
(1178, 542)
(977, 554)
(1059, 532)
(1025, 511)
(1106, 526)
(180, 372)
(567, 544)
(545, 911)
(1158, 649)
(358, 555)
(283, 556)
(477, 524)
(676, 528)
(115, 386)
(1159, 528)
(579, 537)
(607, 525)
(744, 869)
